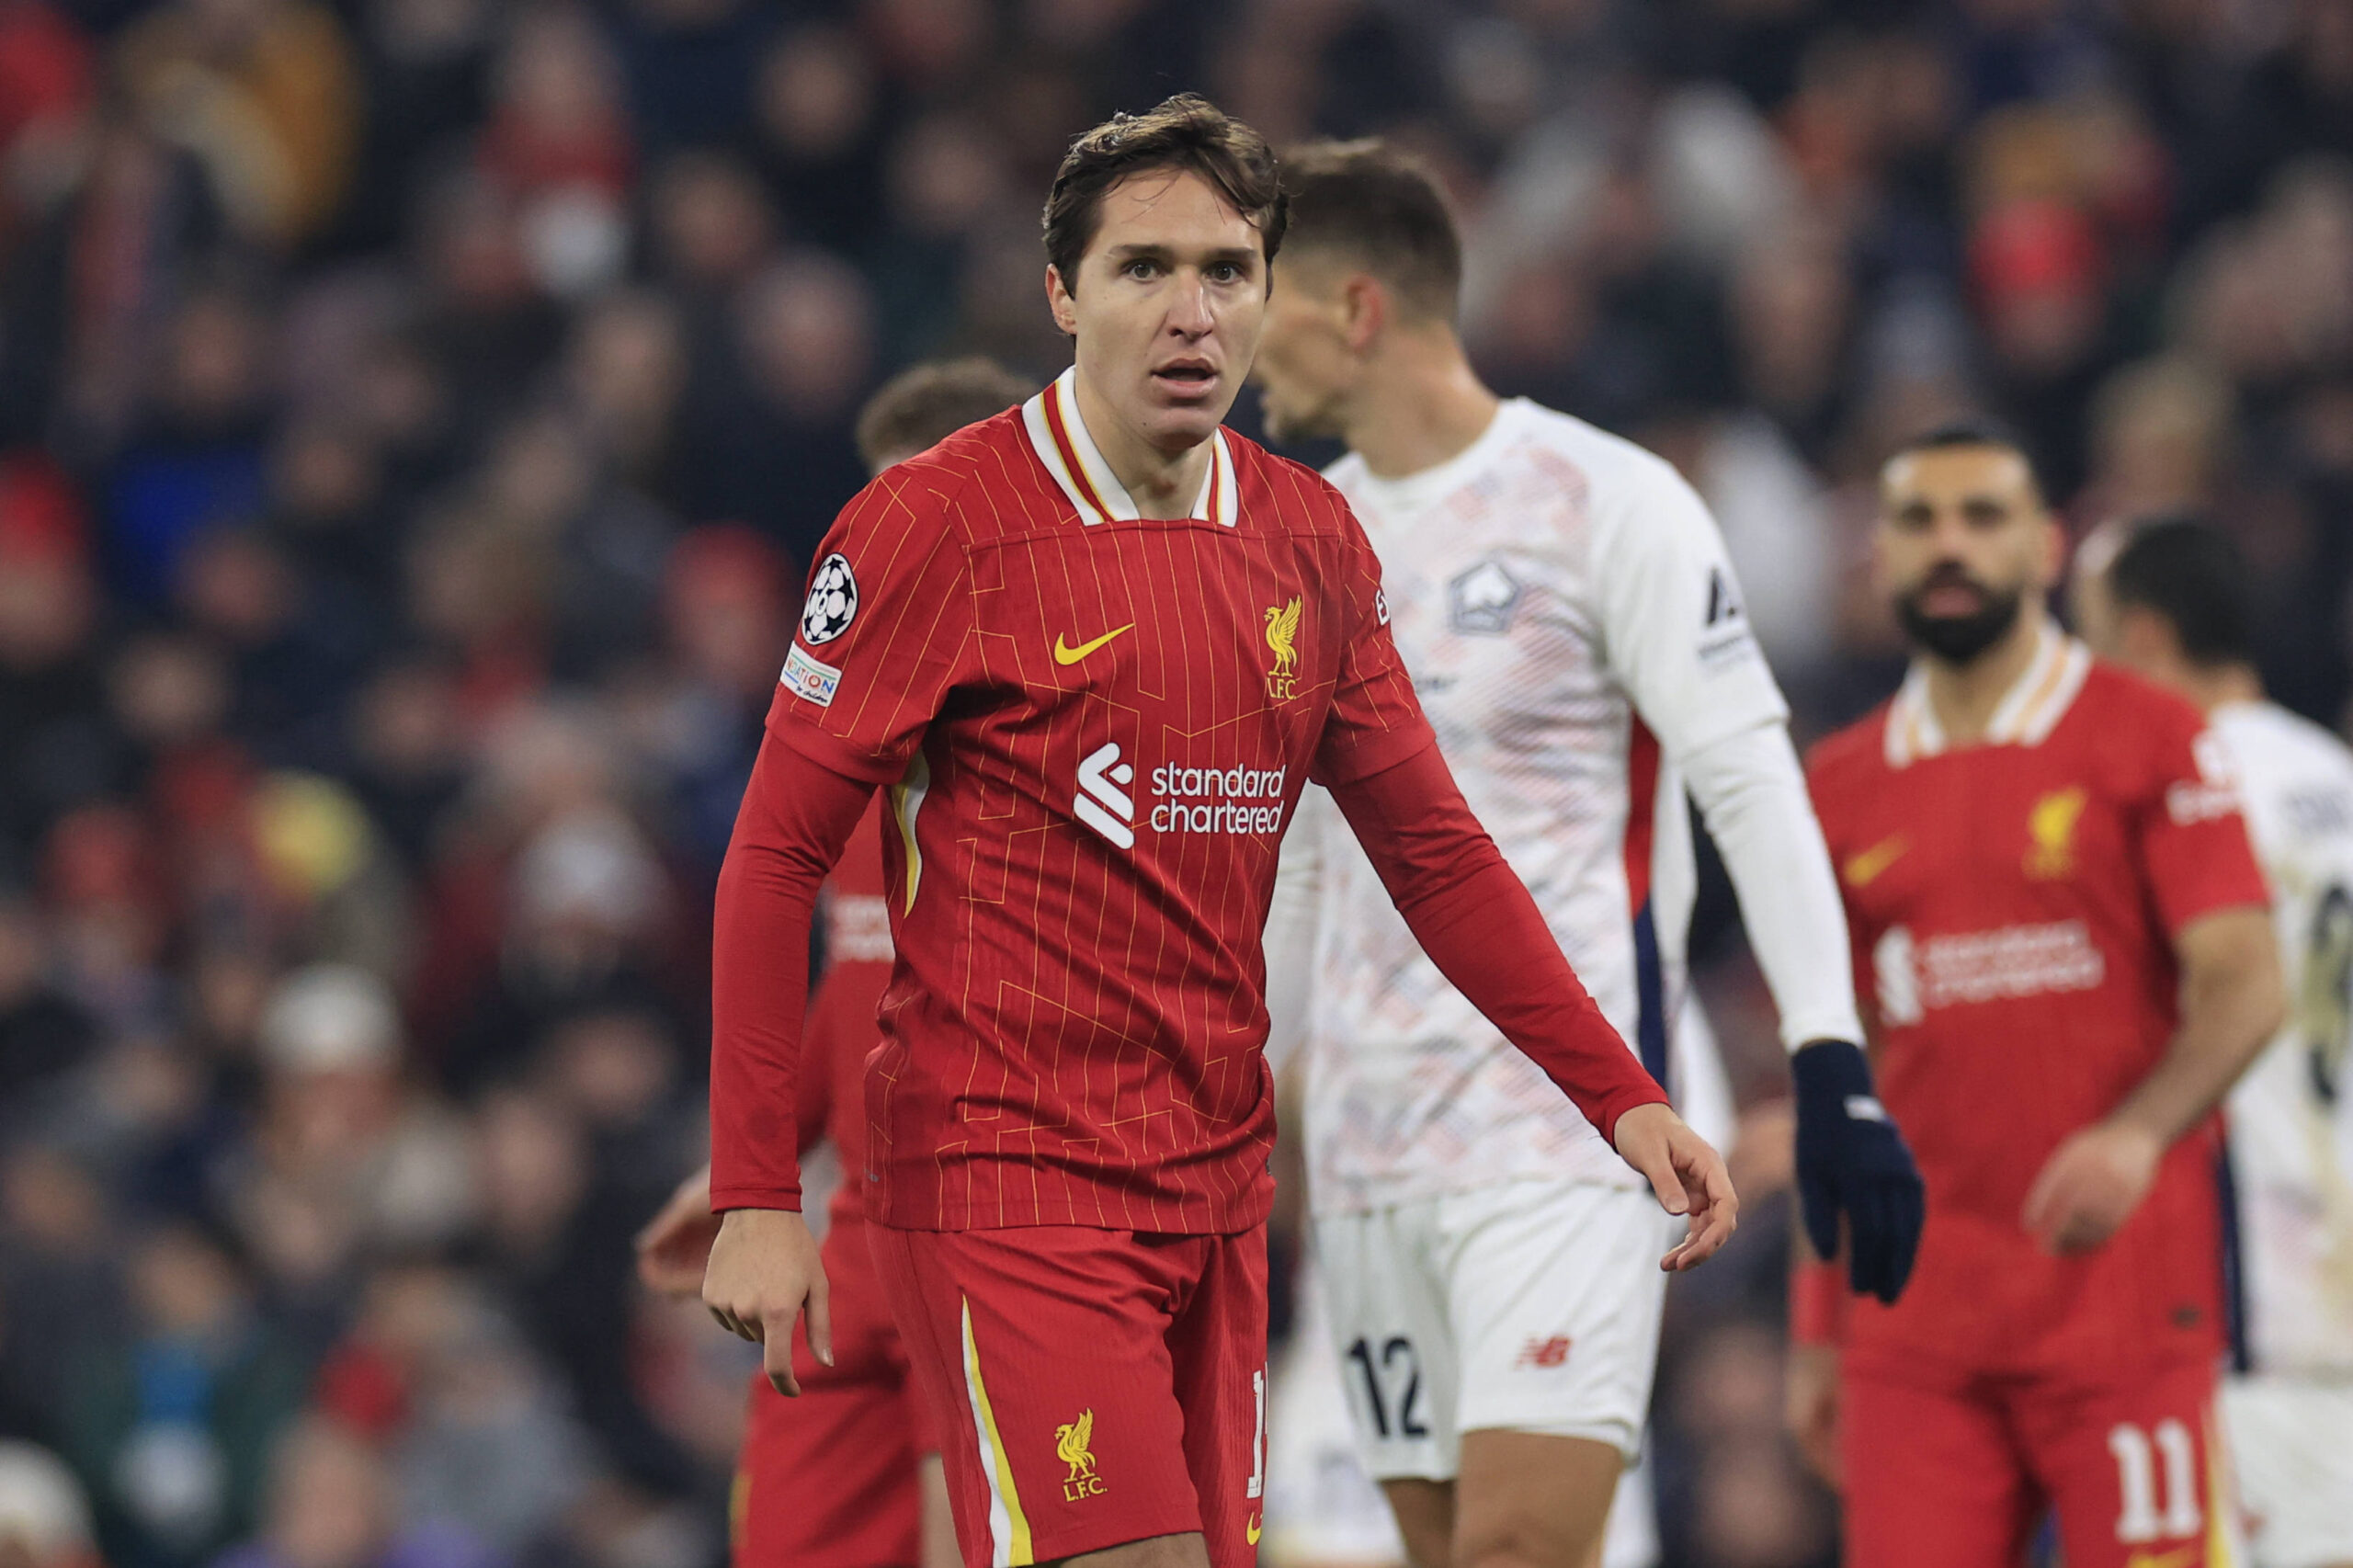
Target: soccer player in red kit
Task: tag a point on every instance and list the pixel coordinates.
(2056, 912)
(1093, 648)
(848, 1476)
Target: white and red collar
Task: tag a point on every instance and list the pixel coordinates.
(2030, 711)
(1059, 437)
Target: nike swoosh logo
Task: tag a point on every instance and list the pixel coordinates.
(1865, 868)
(1066, 654)
(1254, 1531)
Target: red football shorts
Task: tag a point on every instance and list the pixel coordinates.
(1957, 1472)
(1091, 1388)
(829, 1480)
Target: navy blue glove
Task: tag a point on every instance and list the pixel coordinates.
(1852, 1159)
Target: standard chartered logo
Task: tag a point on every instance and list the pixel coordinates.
(1182, 799)
(1103, 802)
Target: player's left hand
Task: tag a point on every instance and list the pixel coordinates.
(1852, 1162)
(1688, 1176)
(2091, 1185)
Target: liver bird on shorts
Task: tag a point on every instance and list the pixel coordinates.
(1073, 1441)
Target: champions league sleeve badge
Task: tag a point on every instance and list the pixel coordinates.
(833, 601)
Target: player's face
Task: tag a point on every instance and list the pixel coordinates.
(1306, 367)
(1167, 306)
(1963, 542)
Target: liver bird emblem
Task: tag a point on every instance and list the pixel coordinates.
(1073, 1441)
(1282, 632)
(2051, 825)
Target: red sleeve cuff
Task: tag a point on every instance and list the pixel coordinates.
(724, 1198)
(1619, 1101)
(2258, 898)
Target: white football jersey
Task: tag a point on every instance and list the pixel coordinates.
(2291, 1116)
(1572, 625)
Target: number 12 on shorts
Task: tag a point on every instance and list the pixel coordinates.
(1396, 1362)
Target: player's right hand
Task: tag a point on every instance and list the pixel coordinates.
(675, 1247)
(1687, 1175)
(764, 1268)
(2090, 1185)
(1812, 1408)
(1852, 1160)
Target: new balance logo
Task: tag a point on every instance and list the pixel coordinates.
(1103, 802)
(1722, 603)
(1553, 1352)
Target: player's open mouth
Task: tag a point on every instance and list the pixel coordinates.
(1954, 600)
(1187, 375)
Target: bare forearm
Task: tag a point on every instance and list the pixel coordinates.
(2230, 1007)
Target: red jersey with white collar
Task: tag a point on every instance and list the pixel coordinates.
(2013, 906)
(1092, 726)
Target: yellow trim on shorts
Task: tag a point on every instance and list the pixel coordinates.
(2221, 1498)
(1014, 1551)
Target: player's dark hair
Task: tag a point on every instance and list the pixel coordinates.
(2195, 575)
(1382, 209)
(1974, 430)
(1185, 132)
(924, 404)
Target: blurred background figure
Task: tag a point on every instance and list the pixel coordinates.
(417, 417)
(44, 1517)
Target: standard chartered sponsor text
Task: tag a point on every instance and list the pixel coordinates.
(2010, 962)
(1216, 799)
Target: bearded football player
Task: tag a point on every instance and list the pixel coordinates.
(2062, 939)
(1093, 648)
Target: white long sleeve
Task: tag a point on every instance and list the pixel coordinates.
(1292, 928)
(1751, 792)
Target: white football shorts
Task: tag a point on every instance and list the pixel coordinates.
(2291, 1449)
(1531, 1306)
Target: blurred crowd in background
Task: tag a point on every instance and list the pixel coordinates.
(417, 416)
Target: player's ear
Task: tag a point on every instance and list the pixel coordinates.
(2144, 639)
(1364, 310)
(2053, 545)
(1059, 300)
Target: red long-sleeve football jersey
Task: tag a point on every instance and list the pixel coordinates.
(840, 1031)
(2013, 906)
(1092, 727)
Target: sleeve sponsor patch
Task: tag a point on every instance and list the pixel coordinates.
(810, 679)
(2213, 793)
(833, 601)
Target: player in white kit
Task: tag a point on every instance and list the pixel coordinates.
(1576, 633)
(2170, 600)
